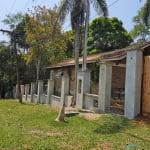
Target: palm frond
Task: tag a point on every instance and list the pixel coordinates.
(64, 8)
(77, 13)
(100, 6)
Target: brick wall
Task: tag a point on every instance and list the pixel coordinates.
(118, 83)
(118, 80)
(118, 77)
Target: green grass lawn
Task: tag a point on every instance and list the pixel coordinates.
(33, 127)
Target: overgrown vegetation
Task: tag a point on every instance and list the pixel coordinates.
(32, 127)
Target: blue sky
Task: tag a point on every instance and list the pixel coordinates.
(123, 9)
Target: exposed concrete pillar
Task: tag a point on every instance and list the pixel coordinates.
(33, 90)
(40, 90)
(52, 74)
(17, 91)
(26, 91)
(22, 88)
(83, 86)
(50, 90)
(105, 79)
(134, 68)
(14, 92)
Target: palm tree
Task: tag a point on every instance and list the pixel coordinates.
(146, 13)
(79, 11)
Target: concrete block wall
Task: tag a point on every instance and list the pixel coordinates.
(90, 101)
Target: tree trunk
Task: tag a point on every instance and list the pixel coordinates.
(37, 72)
(76, 52)
(84, 67)
(19, 96)
(61, 115)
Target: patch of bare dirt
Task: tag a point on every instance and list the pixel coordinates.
(90, 116)
(142, 120)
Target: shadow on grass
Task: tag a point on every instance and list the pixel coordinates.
(109, 124)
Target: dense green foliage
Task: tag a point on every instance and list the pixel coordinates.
(32, 126)
(140, 30)
(8, 71)
(6, 68)
(107, 34)
(45, 48)
(43, 45)
(146, 13)
(31, 44)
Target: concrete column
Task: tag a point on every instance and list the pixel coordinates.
(14, 92)
(40, 90)
(22, 88)
(134, 68)
(52, 74)
(33, 88)
(105, 79)
(17, 91)
(26, 91)
(83, 86)
(50, 90)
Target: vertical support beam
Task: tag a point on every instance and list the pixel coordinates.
(14, 92)
(134, 69)
(83, 86)
(105, 79)
(33, 90)
(22, 89)
(40, 90)
(26, 91)
(50, 90)
(17, 91)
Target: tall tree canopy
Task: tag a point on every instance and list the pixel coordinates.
(146, 13)
(140, 30)
(107, 34)
(44, 49)
(12, 21)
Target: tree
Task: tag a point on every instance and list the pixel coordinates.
(79, 11)
(12, 21)
(146, 13)
(140, 31)
(43, 48)
(69, 50)
(21, 35)
(7, 71)
(107, 34)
